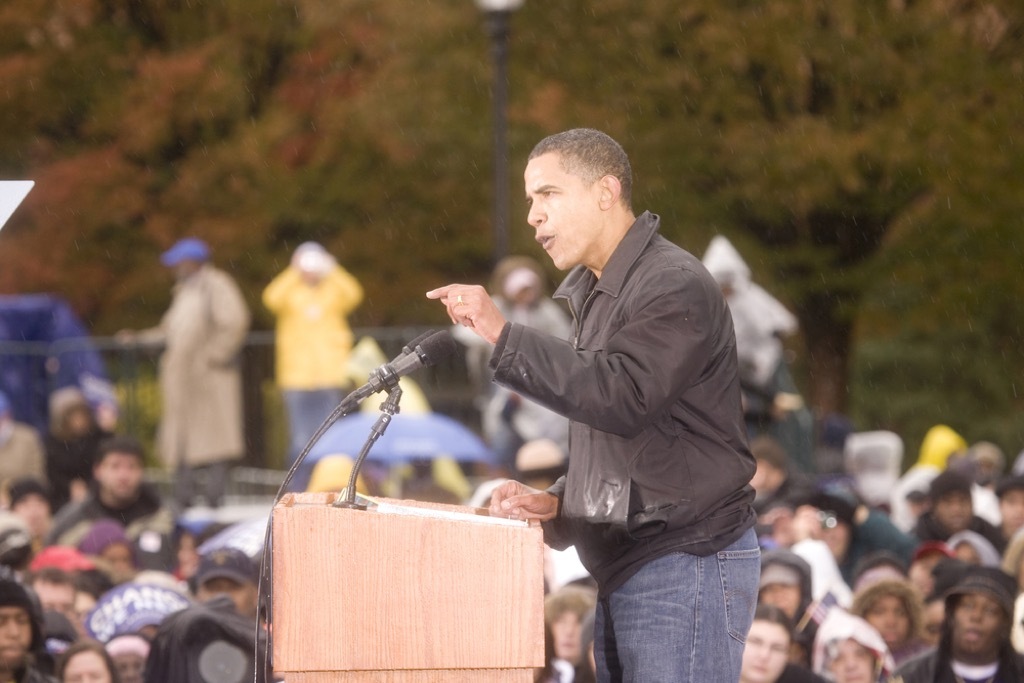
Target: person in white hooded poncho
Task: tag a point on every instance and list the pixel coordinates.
(771, 402)
(849, 650)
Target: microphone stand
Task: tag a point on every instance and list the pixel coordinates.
(385, 378)
(347, 498)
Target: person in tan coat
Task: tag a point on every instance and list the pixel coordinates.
(203, 332)
(21, 448)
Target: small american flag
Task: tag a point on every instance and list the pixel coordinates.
(818, 610)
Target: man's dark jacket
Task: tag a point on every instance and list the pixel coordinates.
(928, 528)
(658, 456)
(181, 642)
(148, 522)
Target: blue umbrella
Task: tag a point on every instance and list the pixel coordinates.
(247, 535)
(409, 437)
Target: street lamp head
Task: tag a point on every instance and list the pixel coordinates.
(499, 5)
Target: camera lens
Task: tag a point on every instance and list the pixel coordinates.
(222, 662)
(828, 519)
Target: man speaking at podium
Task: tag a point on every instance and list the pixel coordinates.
(657, 498)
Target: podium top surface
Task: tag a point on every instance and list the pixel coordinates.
(405, 507)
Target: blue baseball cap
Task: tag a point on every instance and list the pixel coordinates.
(226, 563)
(188, 249)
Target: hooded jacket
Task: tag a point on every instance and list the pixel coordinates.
(70, 455)
(148, 523)
(760, 320)
(313, 337)
(936, 666)
(658, 456)
(208, 643)
(14, 594)
(804, 628)
(902, 590)
(939, 444)
(840, 626)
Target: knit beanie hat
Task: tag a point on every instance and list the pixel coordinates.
(1011, 482)
(130, 644)
(13, 594)
(948, 482)
(27, 486)
(102, 534)
(989, 581)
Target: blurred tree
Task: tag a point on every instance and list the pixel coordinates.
(862, 155)
(834, 143)
(255, 125)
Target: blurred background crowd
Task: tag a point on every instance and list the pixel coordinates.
(862, 154)
(868, 565)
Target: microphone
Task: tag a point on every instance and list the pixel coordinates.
(411, 346)
(427, 349)
(423, 351)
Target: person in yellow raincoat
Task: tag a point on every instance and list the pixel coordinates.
(940, 444)
(311, 300)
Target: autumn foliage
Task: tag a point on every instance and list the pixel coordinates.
(865, 155)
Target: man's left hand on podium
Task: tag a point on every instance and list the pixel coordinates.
(518, 501)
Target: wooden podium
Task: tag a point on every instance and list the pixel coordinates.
(409, 592)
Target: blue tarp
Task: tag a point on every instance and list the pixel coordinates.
(44, 347)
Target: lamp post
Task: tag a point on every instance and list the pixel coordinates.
(496, 13)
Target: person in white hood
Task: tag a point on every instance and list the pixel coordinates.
(760, 320)
(771, 402)
(850, 650)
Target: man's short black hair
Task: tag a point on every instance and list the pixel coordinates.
(590, 155)
(121, 443)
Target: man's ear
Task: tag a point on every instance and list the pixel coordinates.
(611, 191)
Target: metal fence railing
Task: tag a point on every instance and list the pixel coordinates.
(132, 370)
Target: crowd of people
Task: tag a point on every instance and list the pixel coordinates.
(931, 596)
(101, 578)
(848, 595)
(676, 550)
(866, 575)
(98, 588)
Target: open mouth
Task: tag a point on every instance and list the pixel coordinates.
(972, 636)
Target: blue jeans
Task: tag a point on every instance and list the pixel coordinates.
(680, 619)
(307, 409)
